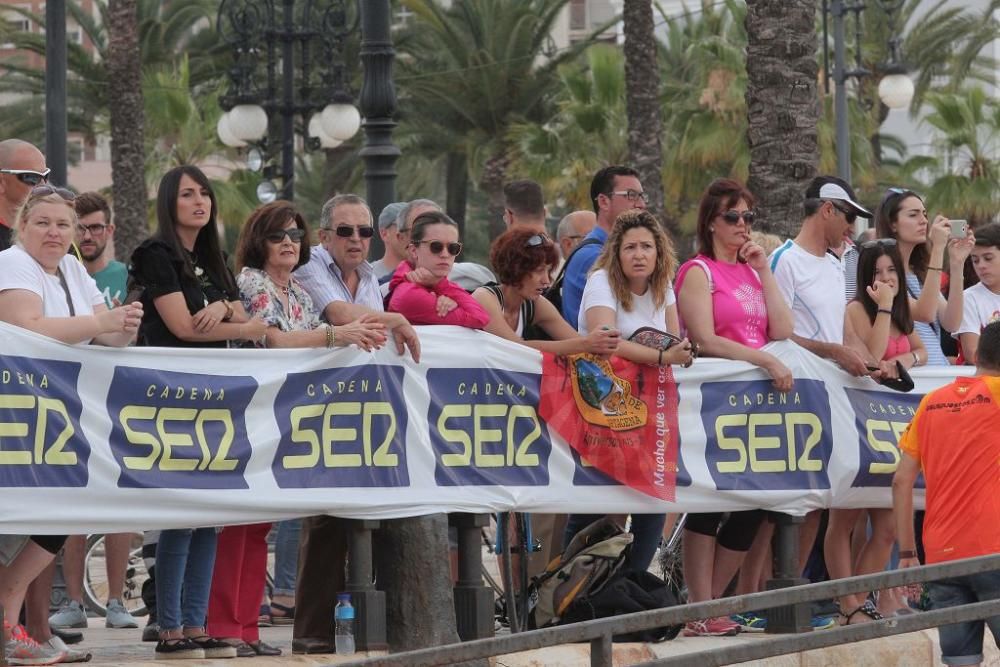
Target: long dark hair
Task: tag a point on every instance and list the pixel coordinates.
(721, 193)
(888, 213)
(867, 259)
(207, 247)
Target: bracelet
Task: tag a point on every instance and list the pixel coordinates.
(916, 358)
(659, 358)
(229, 311)
(329, 335)
(935, 268)
(884, 310)
(907, 553)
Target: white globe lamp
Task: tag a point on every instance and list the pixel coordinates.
(340, 121)
(248, 122)
(896, 90)
(316, 132)
(226, 135)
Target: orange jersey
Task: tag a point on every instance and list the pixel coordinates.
(955, 437)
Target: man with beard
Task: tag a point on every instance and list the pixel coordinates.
(95, 237)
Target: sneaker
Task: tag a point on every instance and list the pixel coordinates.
(70, 615)
(151, 633)
(72, 655)
(823, 622)
(750, 622)
(21, 649)
(178, 649)
(720, 626)
(118, 616)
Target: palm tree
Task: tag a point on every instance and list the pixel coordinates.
(783, 107)
(127, 134)
(642, 100)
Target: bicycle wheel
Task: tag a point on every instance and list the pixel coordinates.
(95, 576)
(671, 561)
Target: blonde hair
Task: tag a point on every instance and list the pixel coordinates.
(34, 200)
(663, 270)
(769, 242)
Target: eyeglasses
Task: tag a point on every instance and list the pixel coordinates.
(850, 215)
(876, 243)
(536, 240)
(631, 195)
(95, 230)
(46, 190)
(437, 246)
(732, 217)
(295, 235)
(347, 231)
(28, 176)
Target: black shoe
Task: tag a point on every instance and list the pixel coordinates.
(260, 648)
(310, 645)
(244, 650)
(213, 647)
(178, 649)
(68, 636)
(151, 633)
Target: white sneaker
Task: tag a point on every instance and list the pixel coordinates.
(70, 615)
(21, 649)
(118, 616)
(71, 655)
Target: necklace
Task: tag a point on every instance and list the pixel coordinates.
(284, 288)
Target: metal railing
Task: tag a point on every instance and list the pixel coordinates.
(599, 632)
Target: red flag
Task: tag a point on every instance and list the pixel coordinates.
(619, 416)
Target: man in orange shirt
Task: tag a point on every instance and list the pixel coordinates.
(952, 438)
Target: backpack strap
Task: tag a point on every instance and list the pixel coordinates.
(562, 271)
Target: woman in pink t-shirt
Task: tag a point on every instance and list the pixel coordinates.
(730, 305)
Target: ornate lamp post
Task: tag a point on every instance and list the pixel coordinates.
(266, 99)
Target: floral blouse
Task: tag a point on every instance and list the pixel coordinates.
(261, 298)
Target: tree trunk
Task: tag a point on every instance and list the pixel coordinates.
(782, 108)
(128, 185)
(491, 182)
(457, 185)
(642, 103)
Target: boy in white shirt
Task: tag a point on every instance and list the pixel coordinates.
(982, 301)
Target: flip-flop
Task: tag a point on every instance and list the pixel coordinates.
(287, 615)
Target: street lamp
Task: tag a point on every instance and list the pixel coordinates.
(895, 89)
(262, 42)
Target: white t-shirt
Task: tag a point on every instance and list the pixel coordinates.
(18, 270)
(813, 287)
(979, 308)
(643, 314)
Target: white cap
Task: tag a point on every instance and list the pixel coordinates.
(834, 191)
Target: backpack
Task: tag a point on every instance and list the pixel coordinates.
(627, 592)
(554, 292)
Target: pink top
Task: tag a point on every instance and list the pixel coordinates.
(418, 304)
(738, 304)
(897, 345)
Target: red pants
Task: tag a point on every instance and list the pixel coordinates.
(238, 582)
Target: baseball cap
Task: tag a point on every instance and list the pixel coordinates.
(388, 215)
(831, 187)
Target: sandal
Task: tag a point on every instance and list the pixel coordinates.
(867, 609)
(287, 615)
(264, 619)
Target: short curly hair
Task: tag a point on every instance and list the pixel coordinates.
(513, 259)
(251, 248)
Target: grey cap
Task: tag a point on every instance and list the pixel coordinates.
(388, 215)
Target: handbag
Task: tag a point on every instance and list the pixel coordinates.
(660, 340)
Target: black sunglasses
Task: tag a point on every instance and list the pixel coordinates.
(28, 176)
(295, 235)
(437, 246)
(850, 215)
(46, 190)
(732, 217)
(347, 231)
(877, 243)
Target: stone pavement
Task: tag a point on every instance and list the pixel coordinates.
(121, 648)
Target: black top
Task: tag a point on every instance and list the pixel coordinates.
(5, 233)
(160, 270)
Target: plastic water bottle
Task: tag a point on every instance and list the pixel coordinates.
(343, 616)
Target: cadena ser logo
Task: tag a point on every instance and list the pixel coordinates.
(603, 398)
(179, 430)
(342, 428)
(41, 443)
(880, 417)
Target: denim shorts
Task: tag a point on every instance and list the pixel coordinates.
(962, 643)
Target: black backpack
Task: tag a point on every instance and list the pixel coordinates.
(554, 292)
(628, 591)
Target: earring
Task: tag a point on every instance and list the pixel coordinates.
(712, 229)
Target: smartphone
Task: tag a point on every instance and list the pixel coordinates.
(958, 228)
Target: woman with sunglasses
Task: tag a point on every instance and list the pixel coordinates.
(523, 261)
(903, 217)
(880, 316)
(420, 290)
(730, 304)
(48, 291)
(191, 300)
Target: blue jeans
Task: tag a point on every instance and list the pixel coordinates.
(962, 643)
(286, 556)
(646, 529)
(184, 561)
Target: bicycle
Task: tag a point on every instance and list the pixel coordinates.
(513, 597)
(95, 576)
(671, 561)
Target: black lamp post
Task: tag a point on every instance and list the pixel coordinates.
(274, 83)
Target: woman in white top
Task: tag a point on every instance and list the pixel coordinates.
(47, 291)
(629, 288)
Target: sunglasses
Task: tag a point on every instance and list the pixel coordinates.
(347, 231)
(46, 190)
(850, 215)
(28, 176)
(878, 243)
(437, 246)
(295, 235)
(537, 240)
(733, 217)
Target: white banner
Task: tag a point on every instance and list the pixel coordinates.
(100, 440)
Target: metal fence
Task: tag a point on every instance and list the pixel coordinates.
(599, 632)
